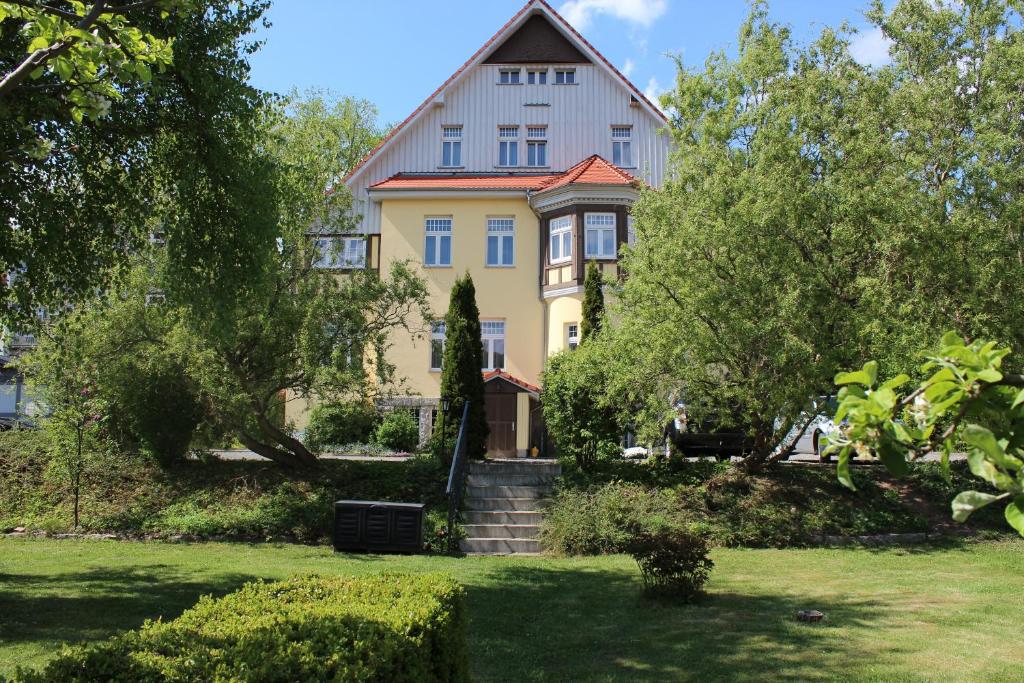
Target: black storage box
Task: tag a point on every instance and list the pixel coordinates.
(375, 526)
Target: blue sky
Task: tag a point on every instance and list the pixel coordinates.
(396, 52)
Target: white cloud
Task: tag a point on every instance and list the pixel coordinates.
(628, 68)
(871, 48)
(654, 91)
(643, 12)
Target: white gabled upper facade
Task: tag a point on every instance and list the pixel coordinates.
(479, 108)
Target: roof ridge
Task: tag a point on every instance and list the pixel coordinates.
(483, 48)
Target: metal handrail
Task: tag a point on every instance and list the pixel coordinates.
(456, 478)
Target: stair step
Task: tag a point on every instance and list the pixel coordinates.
(502, 479)
(501, 517)
(504, 504)
(501, 530)
(515, 467)
(507, 491)
(500, 546)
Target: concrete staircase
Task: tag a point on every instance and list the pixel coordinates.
(502, 505)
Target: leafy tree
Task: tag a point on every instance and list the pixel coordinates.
(966, 399)
(820, 212)
(157, 121)
(398, 431)
(66, 377)
(582, 423)
(461, 376)
(593, 302)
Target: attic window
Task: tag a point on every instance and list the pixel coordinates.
(509, 77)
(565, 76)
(537, 76)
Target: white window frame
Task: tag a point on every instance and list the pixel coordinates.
(433, 229)
(537, 76)
(489, 336)
(500, 227)
(622, 146)
(537, 146)
(508, 76)
(630, 231)
(451, 144)
(508, 146)
(572, 335)
(438, 334)
(561, 234)
(565, 77)
(596, 223)
(340, 252)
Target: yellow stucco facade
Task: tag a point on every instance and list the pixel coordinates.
(506, 293)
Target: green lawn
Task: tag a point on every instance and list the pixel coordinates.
(922, 614)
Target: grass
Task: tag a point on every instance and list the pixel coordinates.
(916, 614)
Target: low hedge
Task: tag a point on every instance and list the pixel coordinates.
(387, 627)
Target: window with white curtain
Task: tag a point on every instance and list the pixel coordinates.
(501, 241)
(492, 334)
(337, 252)
(599, 235)
(437, 249)
(561, 239)
(572, 335)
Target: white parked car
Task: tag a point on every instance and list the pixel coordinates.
(820, 426)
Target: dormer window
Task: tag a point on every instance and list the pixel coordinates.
(509, 77)
(537, 76)
(565, 76)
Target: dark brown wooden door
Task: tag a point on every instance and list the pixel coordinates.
(501, 419)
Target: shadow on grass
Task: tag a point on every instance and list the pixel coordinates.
(88, 605)
(541, 624)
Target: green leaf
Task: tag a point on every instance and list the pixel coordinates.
(984, 440)
(968, 501)
(856, 377)
(843, 469)
(1015, 514)
(38, 43)
(144, 71)
(1017, 401)
(896, 382)
(893, 457)
(984, 469)
(951, 339)
(990, 375)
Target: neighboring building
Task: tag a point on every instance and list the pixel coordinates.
(520, 168)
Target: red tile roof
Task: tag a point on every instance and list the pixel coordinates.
(501, 374)
(591, 171)
(485, 47)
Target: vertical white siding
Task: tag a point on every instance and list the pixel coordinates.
(578, 117)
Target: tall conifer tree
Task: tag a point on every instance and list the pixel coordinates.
(593, 302)
(461, 376)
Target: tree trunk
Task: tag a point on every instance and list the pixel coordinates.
(301, 454)
(278, 455)
(76, 479)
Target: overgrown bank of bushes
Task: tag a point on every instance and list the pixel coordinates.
(789, 506)
(387, 627)
(247, 500)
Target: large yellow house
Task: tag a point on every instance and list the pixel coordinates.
(519, 169)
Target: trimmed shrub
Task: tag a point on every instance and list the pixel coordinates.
(673, 561)
(387, 627)
(398, 431)
(335, 424)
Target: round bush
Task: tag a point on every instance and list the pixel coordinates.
(673, 561)
(334, 424)
(399, 431)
